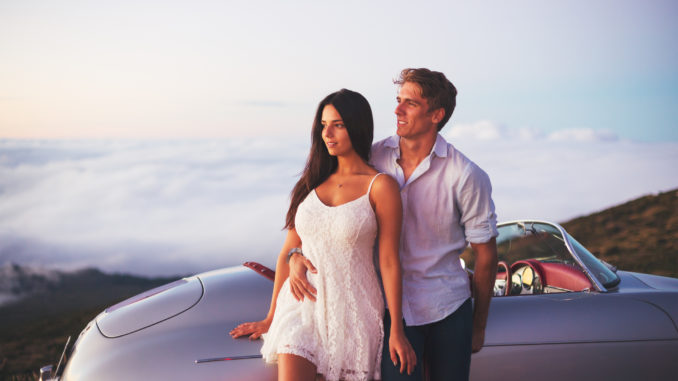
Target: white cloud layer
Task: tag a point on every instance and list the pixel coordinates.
(488, 130)
(144, 207)
(170, 207)
(566, 173)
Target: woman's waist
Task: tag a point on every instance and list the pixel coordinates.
(345, 275)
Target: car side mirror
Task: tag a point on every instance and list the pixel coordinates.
(46, 373)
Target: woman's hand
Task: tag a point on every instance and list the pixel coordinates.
(252, 329)
(400, 349)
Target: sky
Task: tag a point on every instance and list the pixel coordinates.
(207, 69)
(163, 137)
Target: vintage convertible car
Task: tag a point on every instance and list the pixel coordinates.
(558, 314)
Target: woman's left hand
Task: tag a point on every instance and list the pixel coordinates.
(252, 329)
(401, 349)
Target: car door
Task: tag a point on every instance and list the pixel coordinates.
(545, 332)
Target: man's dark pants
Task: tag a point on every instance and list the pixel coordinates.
(447, 344)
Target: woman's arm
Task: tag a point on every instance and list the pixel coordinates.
(282, 269)
(385, 197)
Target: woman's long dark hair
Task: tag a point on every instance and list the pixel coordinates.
(356, 113)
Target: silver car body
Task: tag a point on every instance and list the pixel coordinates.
(616, 326)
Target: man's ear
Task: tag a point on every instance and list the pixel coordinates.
(438, 115)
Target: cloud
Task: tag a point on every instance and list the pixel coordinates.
(564, 174)
(583, 135)
(176, 207)
(151, 207)
(488, 130)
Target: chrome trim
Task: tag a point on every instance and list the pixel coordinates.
(596, 283)
(227, 358)
(61, 359)
(560, 290)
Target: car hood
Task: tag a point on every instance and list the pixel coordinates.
(151, 307)
(657, 282)
(190, 325)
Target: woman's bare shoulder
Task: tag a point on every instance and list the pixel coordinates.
(384, 184)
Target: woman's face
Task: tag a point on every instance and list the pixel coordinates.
(334, 133)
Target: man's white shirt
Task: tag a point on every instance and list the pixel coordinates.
(447, 203)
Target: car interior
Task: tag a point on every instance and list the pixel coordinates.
(533, 259)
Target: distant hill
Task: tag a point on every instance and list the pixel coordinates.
(17, 281)
(44, 307)
(640, 235)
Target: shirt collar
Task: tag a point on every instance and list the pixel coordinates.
(393, 141)
(439, 147)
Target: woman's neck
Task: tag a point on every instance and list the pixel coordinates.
(350, 164)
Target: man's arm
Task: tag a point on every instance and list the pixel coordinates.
(299, 284)
(484, 275)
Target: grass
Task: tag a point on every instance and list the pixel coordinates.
(640, 235)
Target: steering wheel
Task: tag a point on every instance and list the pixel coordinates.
(507, 271)
(526, 277)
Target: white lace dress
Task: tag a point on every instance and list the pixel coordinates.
(342, 332)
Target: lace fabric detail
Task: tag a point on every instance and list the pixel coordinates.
(342, 332)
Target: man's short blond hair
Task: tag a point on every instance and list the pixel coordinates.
(438, 91)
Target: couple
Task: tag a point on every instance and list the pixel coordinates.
(326, 316)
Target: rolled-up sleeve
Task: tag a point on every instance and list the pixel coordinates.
(476, 207)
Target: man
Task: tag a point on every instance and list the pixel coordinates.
(446, 205)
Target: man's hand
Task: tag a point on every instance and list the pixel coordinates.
(483, 281)
(402, 352)
(299, 284)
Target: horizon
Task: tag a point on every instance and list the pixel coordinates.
(177, 206)
(48, 272)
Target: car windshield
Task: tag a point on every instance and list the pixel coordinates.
(545, 243)
(541, 258)
(604, 275)
(535, 241)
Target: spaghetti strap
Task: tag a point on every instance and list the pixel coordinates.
(372, 182)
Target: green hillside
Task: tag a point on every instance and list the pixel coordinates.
(640, 235)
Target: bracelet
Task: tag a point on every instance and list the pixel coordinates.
(293, 251)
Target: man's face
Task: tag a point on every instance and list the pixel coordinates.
(412, 112)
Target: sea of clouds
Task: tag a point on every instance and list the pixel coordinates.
(178, 207)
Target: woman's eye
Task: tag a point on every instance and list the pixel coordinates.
(340, 125)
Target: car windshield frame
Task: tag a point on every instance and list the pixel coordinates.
(600, 275)
(608, 278)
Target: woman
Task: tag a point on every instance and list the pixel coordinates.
(338, 208)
